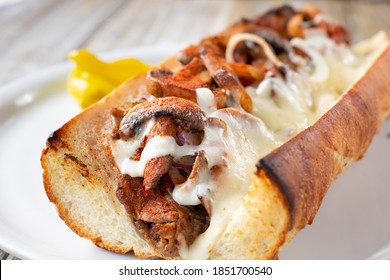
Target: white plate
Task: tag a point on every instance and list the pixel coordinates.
(352, 223)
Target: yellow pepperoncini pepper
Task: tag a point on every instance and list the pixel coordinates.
(92, 78)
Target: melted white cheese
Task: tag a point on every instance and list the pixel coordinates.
(282, 108)
(160, 146)
(247, 140)
(289, 105)
(124, 150)
(214, 147)
(206, 101)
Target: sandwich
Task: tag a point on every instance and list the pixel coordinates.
(227, 149)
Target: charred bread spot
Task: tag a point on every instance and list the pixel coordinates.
(54, 141)
(80, 166)
(303, 194)
(266, 167)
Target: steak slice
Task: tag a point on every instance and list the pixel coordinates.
(159, 219)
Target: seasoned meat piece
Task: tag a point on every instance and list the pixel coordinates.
(185, 56)
(162, 83)
(158, 217)
(189, 78)
(219, 69)
(277, 19)
(157, 167)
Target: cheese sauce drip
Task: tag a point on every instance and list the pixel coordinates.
(247, 139)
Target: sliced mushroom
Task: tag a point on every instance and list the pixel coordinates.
(184, 113)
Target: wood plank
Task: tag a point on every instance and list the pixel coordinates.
(18, 17)
(162, 22)
(50, 38)
(159, 22)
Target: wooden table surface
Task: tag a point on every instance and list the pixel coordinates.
(38, 33)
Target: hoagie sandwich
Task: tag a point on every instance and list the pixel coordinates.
(227, 149)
